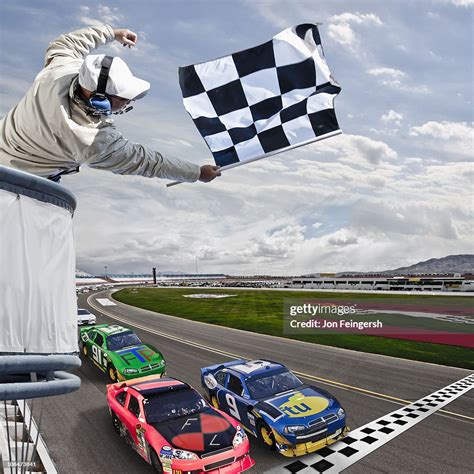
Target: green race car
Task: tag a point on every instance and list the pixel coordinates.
(119, 352)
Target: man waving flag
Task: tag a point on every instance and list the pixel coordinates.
(263, 100)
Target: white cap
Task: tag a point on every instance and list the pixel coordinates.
(121, 81)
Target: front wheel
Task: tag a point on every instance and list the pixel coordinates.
(155, 462)
(85, 351)
(265, 433)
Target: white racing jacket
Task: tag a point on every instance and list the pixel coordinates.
(49, 132)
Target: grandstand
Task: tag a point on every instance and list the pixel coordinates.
(448, 282)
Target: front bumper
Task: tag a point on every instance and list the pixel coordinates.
(292, 450)
(158, 371)
(242, 463)
(87, 323)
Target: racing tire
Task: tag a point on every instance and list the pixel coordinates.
(117, 424)
(155, 462)
(214, 402)
(112, 373)
(265, 434)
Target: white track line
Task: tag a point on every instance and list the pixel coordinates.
(332, 383)
(366, 439)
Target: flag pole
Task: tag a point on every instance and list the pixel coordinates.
(266, 155)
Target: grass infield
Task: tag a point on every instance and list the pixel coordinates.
(262, 312)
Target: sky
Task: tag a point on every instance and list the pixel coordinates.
(394, 189)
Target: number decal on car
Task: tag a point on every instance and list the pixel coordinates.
(232, 404)
(98, 356)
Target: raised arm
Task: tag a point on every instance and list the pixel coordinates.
(79, 43)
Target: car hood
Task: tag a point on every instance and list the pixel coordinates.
(136, 357)
(201, 433)
(300, 405)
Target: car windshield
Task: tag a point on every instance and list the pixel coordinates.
(160, 407)
(82, 312)
(271, 384)
(124, 339)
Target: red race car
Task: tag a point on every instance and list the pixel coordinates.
(175, 430)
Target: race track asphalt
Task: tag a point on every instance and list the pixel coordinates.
(79, 435)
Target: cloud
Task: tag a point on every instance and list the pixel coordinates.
(389, 76)
(340, 28)
(397, 79)
(462, 3)
(358, 149)
(101, 14)
(357, 201)
(457, 136)
(342, 33)
(387, 72)
(357, 18)
(279, 244)
(342, 239)
(444, 130)
(392, 117)
(403, 219)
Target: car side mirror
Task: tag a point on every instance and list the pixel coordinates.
(210, 381)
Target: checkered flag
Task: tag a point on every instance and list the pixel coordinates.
(263, 100)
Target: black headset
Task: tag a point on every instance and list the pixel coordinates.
(98, 99)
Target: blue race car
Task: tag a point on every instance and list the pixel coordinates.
(275, 406)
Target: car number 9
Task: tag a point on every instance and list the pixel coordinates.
(232, 404)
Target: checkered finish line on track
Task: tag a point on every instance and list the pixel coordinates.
(265, 99)
(366, 439)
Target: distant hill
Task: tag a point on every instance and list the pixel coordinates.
(450, 264)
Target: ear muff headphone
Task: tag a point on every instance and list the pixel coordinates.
(98, 99)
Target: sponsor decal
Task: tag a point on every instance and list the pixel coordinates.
(299, 405)
(166, 452)
(142, 354)
(141, 438)
(210, 381)
(166, 456)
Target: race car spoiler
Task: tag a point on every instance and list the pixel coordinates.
(92, 326)
(127, 383)
(212, 369)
